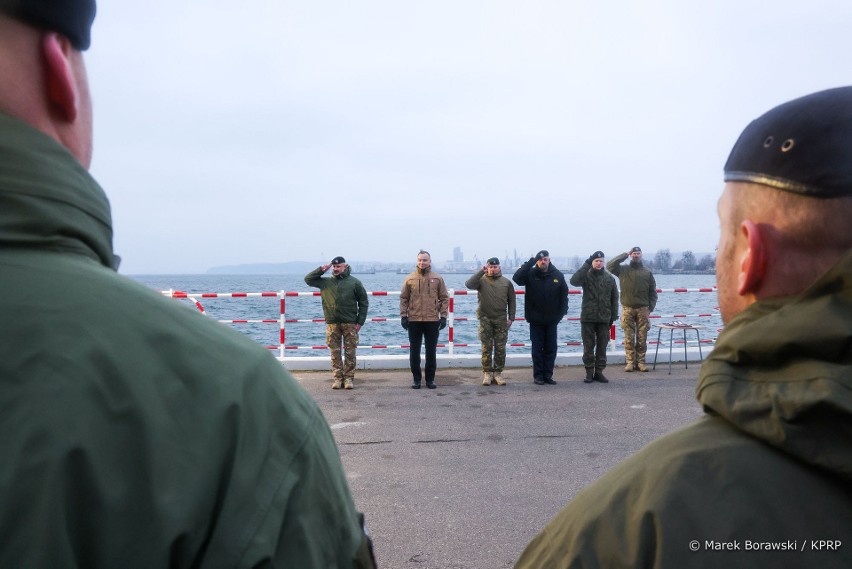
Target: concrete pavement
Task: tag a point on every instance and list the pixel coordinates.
(464, 476)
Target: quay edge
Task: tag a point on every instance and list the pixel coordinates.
(400, 361)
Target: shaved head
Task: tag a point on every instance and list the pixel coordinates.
(800, 238)
(45, 85)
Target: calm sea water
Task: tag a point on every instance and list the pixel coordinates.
(671, 306)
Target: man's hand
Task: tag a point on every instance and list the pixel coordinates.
(443, 324)
(405, 322)
(325, 268)
(508, 324)
(357, 327)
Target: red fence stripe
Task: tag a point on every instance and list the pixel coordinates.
(451, 332)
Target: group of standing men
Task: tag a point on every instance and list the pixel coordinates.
(546, 304)
(424, 302)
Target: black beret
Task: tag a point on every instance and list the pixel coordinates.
(338, 260)
(636, 250)
(542, 254)
(803, 146)
(597, 255)
(71, 18)
(493, 261)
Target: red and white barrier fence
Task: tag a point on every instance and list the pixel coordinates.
(282, 320)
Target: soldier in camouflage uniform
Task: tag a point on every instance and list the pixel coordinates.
(496, 312)
(638, 300)
(344, 305)
(342, 341)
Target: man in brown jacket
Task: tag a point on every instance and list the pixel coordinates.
(423, 306)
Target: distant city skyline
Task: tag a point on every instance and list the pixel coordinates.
(459, 256)
(457, 262)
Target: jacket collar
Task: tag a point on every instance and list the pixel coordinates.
(780, 372)
(47, 199)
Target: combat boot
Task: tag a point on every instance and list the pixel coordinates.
(337, 384)
(599, 376)
(347, 383)
(498, 378)
(486, 378)
(641, 366)
(590, 375)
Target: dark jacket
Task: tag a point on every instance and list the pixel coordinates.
(136, 432)
(344, 299)
(600, 294)
(546, 293)
(638, 287)
(770, 462)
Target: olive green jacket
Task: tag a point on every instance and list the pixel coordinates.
(344, 299)
(637, 284)
(495, 296)
(600, 295)
(137, 432)
(769, 465)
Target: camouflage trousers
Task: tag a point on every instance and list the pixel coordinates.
(493, 334)
(347, 335)
(634, 322)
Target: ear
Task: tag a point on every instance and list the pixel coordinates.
(59, 76)
(753, 262)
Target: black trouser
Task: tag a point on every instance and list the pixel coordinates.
(595, 339)
(416, 332)
(543, 340)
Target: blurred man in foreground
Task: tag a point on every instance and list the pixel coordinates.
(135, 433)
(764, 478)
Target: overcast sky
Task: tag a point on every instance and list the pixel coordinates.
(270, 131)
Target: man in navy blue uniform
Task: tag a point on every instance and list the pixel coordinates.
(545, 304)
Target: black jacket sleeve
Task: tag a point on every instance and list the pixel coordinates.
(522, 274)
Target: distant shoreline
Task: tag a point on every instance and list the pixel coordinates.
(384, 272)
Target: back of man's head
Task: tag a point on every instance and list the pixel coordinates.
(43, 78)
(788, 197)
(71, 18)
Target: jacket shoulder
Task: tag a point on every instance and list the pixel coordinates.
(697, 483)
